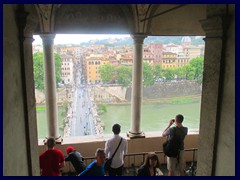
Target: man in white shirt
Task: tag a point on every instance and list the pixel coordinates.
(110, 147)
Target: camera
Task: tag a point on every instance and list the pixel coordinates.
(173, 120)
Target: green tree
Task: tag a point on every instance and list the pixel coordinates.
(168, 74)
(158, 72)
(189, 72)
(58, 70)
(148, 75)
(180, 73)
(102, 107)
(197, 64)
(124, 75)
(38, 69)
(107, 72)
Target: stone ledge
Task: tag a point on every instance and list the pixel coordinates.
(101, 138)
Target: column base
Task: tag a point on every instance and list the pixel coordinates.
(135, 135)
(58, 140)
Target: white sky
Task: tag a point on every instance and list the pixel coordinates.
(77, 38)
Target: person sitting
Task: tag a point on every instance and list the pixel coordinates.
(96, 168)
(150, 166)
(51, 160)
(76, 159)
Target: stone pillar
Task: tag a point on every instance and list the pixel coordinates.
(211, 89)
(50, 86)
(137, 84)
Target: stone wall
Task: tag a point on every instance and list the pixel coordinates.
(168, 89)
(15, 149)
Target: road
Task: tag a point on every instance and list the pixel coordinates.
(82, 114)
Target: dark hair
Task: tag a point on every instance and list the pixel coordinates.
(152, 156)
(179, 118)
(50, 142)
(116, 128)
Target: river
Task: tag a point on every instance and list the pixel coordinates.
(155, 117)
(42, 123)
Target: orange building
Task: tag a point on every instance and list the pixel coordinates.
(92, 66)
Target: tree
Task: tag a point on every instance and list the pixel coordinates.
(107, 72)
(180, 73)
(58, 70)
(189, 71)
(168, 74)
(124, 75)
(197, 64)
(38, 69)
(148, 77)
(158, 72)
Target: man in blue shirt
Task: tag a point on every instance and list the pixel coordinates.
(96, 168)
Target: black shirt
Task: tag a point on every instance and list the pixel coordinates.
(77, 161)
(144, 171)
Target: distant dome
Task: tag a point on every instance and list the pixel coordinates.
(186, 40)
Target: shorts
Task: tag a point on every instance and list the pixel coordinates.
(173, 162)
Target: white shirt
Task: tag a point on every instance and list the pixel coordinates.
(110, 147)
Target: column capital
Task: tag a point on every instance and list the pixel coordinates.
(28, 40)
(138, 38)
(58, 140)
(213, 26)
(47, 38)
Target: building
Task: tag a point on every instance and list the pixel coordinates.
(92, 64)
(169, 60)
(192, 51)
(156, 50)
(216, 138)
(67, 69)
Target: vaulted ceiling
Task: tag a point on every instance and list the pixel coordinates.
(150, 19)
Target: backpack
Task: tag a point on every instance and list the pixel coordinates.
(171, 147)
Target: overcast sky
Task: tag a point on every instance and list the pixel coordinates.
(77, 38)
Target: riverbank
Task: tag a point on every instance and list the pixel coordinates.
(172, 100)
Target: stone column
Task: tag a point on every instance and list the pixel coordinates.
(211, 88)
(137, 82)
(50, 86)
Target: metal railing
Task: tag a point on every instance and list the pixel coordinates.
(134, 160)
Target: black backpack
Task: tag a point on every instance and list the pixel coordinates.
(171, 147)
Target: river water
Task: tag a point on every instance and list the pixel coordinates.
(42, 123)
(155, 117)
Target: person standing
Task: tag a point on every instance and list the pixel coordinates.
(110, 147)
(76, 159)
(51, 160)
(96, 168)
(181, 132)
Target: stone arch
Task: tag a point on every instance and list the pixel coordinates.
(92, 19)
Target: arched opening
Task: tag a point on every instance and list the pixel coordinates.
(215, 92)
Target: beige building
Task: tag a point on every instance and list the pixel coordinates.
(192, 51)
(169, 60)
(182, 61)
(67, 69)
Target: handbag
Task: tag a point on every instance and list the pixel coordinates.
(108, 162)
